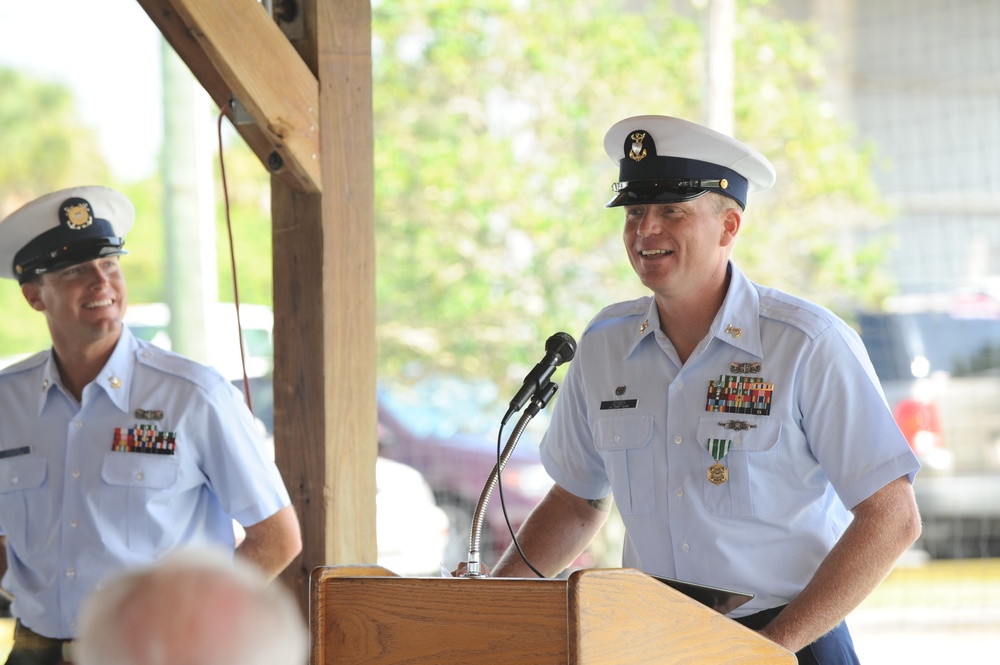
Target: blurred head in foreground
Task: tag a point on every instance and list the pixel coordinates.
(196, 607)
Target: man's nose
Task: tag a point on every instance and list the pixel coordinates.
(97, 277)
(649, 224)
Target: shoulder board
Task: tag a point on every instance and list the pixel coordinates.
(26, 364)
(620, 311)
(810, 318)
(177, 365)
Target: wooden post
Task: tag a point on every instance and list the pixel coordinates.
(324, 304)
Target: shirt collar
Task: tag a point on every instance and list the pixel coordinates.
(738, 321)
(114, 378)
(649, 324)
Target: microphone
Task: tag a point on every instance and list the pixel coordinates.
(559, 348)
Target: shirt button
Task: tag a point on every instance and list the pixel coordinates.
(14, 480)
(74, 523)
(70, 572)
(77, 424)
(76, 473)
(678, 439)
(685, 547)
(680, 385)
(618, 437)
(138, 475)
(679, 492)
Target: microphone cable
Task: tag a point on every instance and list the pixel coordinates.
(503, 508)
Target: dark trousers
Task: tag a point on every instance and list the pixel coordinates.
(30, 648)
(834, 648)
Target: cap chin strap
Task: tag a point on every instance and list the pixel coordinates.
(720, 183)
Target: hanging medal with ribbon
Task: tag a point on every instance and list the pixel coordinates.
(717, 473)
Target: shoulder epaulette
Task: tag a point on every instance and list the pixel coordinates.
(177, 365)
(620, 311)
(26, 364)
(810, 318)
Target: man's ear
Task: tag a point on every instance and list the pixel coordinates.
(32, 292)
(731, 226)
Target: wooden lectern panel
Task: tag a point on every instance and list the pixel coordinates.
(365, 614)
(625, 616)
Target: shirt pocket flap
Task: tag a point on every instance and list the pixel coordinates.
(750, 433)
(623, 432)
(23, 473)
(140, 470)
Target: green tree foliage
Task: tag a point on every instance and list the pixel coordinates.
(44, 144)
(249, 192)
(44, 148)
(491, 176)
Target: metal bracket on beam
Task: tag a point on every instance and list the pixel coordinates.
(240, 114)
(290, 18)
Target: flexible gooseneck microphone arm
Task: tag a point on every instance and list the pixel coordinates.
(538, 402)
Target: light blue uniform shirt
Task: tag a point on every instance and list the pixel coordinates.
(630, 419)
(75, 511)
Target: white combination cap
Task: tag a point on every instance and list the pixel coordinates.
(662, 159)
(62, 229)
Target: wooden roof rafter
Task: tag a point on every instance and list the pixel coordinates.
(258, 66)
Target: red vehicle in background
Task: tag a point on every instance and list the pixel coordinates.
(449, 432)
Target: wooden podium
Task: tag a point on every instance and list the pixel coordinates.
(366, 614)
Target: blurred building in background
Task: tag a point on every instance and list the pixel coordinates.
(920, 80)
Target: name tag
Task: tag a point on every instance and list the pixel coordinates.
(619, 404)
(15, 452)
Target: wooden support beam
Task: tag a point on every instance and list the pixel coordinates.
(344, 61)
(235, 49)
(325, 415)
(323, 233)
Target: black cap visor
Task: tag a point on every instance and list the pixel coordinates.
(651, 191)
(63, 257)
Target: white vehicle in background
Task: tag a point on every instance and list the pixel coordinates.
(938, 359)
(151, 321)
(411, 530)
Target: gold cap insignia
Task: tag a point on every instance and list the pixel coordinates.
(76, 214)
(638, 153)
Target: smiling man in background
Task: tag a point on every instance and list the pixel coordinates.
(113, 452)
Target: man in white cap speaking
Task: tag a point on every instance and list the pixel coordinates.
(740, 431)
(113, 452)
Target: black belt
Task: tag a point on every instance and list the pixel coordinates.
(760, 619)
(29, 640)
